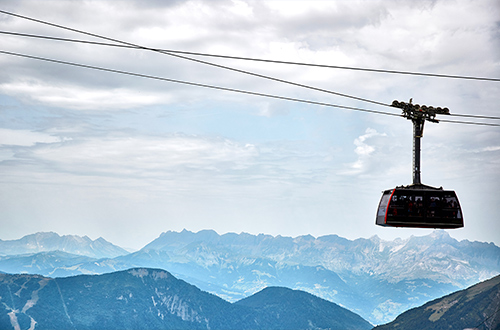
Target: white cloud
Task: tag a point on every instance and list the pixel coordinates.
(492, 148)
(11, 137)
(240, 150)
(364, 34)
(146, 157)
(364, 151)
(80, 97)
(176, 162)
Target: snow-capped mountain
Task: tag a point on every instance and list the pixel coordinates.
(45, 242)
(436, 256)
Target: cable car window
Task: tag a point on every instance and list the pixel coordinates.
(417, 206)
(451, 208)
(382, 208)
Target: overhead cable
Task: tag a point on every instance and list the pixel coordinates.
(131, 45)
(197, 84)
(222, 88)
(258, 59)
(486, 319)
(467, 122)
(196, 60)
(473, 116)
(175, 51)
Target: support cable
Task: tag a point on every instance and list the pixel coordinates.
(197, 84)
(196, 60)
(486, 319)
(223, 88)
(212, 64)
(258, 59)
(245, 58)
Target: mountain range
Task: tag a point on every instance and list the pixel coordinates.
(144, 298)
(374, 278)
(45, 242)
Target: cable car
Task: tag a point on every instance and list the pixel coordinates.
(418, 205)
(421, 207)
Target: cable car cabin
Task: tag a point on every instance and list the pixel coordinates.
(419, 206)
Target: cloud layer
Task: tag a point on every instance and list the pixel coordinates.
(91, 151)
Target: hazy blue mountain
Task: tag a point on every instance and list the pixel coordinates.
(374, 278)
(144, 298)
(45, 242)
(384, 278)
(44, 263)
(474, 308)
(436, 256)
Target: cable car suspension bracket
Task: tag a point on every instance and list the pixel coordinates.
(418, 115)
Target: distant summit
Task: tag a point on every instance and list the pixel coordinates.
(49, 241)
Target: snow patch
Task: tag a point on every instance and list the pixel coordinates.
(260, 274)
(13, 320)
(160, 275)
(139, 272)
(397, 248)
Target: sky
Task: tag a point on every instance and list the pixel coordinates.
(102, 154)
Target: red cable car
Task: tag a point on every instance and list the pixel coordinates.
(418, 205)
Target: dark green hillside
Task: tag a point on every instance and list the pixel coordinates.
(142, 298)
(134, 299)
(475, 307)
(294, 309)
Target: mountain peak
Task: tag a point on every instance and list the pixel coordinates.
(50, 241)
(42, 234)
(440, 234)
(306, 238)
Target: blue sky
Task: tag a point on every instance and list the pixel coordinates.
(100, 154)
